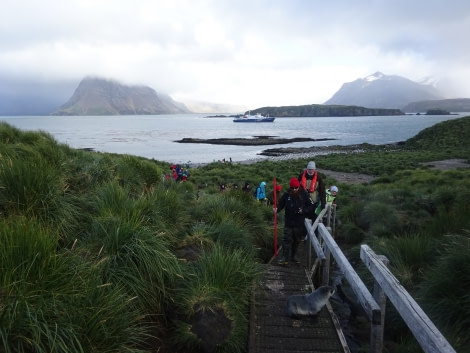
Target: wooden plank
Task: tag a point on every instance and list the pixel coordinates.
(427, 335)
(334, 318)
(362, 293)
(271, 330)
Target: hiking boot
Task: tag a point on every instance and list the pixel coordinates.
(282, 261)
(295, 259)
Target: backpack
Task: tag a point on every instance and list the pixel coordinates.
(255, 193)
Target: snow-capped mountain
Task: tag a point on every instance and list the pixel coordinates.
(384, 91)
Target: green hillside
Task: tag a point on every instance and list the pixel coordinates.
(314, 110)
(447, 134)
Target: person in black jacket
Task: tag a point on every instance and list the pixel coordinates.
(297, 204)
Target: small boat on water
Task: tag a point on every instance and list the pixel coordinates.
(257, 118)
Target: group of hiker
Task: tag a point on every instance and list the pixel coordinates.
(305, 198)
(178, 173)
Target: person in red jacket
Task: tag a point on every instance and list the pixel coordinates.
(297, 204)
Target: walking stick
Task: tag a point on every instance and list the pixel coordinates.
(275, 218)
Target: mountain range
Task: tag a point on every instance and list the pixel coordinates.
(98, 96)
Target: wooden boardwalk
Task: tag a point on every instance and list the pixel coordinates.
(272, 331)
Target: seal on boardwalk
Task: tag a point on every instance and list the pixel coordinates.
(308, 304)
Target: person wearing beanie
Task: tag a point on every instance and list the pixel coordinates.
(297, 204)
(331, 198)
(312, 182)
(331, 194)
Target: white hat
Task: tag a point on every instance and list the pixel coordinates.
(311, 165)
(334, 188)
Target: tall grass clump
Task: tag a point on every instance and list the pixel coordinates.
(211, 302)
(100, 170)
(136, 254)
(138, 260)
(236, 220)
(30, 185)
(444, 290)
(380, 218)
(170, 209)
(409, 256)
(138, 172)
(55, 302)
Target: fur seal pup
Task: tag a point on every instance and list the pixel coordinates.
(308, 304)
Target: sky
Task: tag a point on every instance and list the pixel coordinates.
(252, 53)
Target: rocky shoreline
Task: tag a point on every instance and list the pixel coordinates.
(275, 152)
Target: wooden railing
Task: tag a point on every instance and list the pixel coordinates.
(385, 286)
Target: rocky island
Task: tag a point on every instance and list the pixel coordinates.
(255, 141)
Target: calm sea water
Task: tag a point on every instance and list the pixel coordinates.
(154, 136)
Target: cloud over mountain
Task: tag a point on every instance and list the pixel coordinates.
(98, 96)
(383, 91)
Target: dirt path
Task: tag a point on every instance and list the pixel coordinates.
(357, 178)
(448, 164)
(348, 178)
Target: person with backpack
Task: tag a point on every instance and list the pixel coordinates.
(260, 193)
(297, 204)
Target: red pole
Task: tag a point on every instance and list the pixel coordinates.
(275, 218)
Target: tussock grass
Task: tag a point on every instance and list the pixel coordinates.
(444, 291)
(29, 185)
(409, 256)
(51, 300)
(96, 249)
(220, 282)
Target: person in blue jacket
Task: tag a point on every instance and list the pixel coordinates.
(261, 191)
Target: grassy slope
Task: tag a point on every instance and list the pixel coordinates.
(105, 230)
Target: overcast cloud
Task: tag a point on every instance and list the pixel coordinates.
(253, 53)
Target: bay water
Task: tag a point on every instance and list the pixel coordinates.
(155, 136)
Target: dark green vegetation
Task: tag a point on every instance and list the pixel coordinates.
(100, 253)
(312, 110)
(437, 112)
(451, 105)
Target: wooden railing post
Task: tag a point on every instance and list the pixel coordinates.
(377, 330)
(364, 296)
(326, 268)
(425, 332)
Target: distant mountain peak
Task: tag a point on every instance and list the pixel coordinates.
(99, 96)
(428, 80)
(383, 91)
(376, 76)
